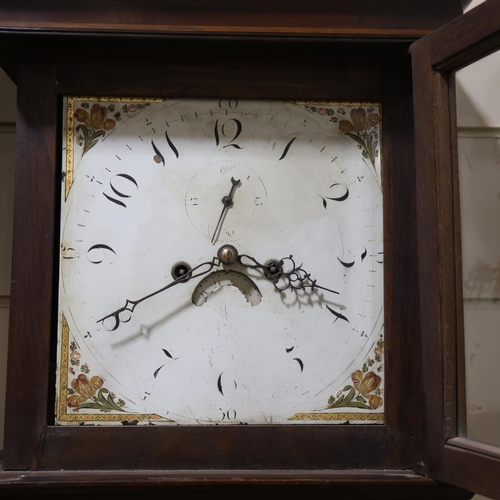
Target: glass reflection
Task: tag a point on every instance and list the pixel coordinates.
(478, 117)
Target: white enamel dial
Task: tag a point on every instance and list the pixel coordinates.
(144, 189)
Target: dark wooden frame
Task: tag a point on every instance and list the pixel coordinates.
(354, 56)
(413, 18)
(449, 456)
(249, 69)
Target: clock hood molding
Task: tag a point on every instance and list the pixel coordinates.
(278, 17)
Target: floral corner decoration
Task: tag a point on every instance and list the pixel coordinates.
(89, 394)
(362, 127)
(365, 392)
(86, 397)
(95, 123)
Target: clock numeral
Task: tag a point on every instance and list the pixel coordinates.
(337, 315)
(219, 384)
(171, 144)
(228, 124)
(155, 374)
(228, 103)
(287, 148)
(97, 254)
(228, 415)
(342, 196)
(350, 263)
(301, 363)
(158, 157)
(68, 253)
(120, 193)
(346, 263)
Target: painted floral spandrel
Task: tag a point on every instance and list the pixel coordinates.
(95, 121)
(362, 128)
(365, 392)
(84, 395)
(90, 394)
(94, 124)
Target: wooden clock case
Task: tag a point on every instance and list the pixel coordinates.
(321, 50)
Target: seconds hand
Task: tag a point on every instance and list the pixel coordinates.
(227, 201)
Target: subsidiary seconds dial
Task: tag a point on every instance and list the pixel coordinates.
(206, 191)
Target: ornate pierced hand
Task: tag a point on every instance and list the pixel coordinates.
(124, 314)
(284, 273)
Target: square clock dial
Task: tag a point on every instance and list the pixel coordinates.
(221, 262)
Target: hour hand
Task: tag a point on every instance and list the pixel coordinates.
(124, 314)
(284, 274)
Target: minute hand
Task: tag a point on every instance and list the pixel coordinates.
(130, 305)
(227, 201)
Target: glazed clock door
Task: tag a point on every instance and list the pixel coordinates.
(452, 192)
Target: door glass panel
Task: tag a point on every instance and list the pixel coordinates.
(471, 4)
(478, 115)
